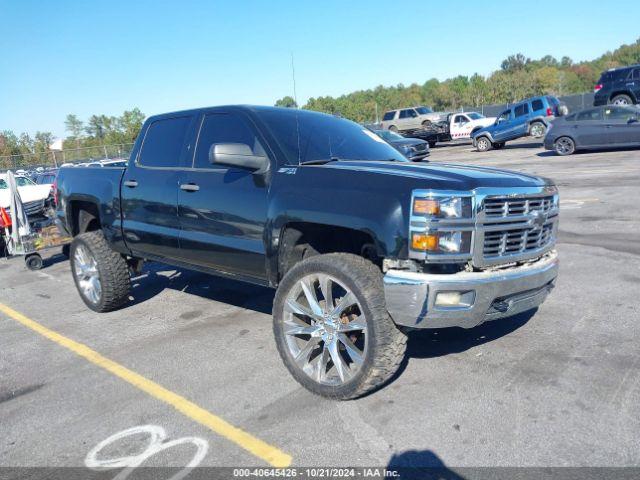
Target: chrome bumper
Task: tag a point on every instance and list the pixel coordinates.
(489, 295)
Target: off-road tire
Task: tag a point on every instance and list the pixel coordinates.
(622, 100)
(483, 144)
(387, 344)
(112, 268)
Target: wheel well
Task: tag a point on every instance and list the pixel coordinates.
(85, 217)
(302, 240)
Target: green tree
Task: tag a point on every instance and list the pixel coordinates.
(286, 102)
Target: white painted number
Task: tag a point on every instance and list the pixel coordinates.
(157, 435)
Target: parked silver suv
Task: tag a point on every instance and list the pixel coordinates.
(410, 118)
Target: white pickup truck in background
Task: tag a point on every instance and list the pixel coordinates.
(34, 197)
(461, 125)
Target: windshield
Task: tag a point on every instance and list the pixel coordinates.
(423, 110)
(306, 136)
(388, 135)
(475, 116)
(20, 181)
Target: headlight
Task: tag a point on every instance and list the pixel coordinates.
(443, 207)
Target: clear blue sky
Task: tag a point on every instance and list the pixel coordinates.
(87, 57)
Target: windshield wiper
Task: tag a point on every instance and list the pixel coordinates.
(320, 161)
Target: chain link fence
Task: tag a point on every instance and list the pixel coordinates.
(576, 102)
(56, 158)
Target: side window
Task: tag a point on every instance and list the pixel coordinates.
(521, 110)
(163, 142)
(623, 114)
(537, 105)
(224, 128)
(589, 115)
(389, 116)
(636, 74)
(504, 116)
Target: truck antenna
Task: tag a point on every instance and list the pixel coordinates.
(293, 76)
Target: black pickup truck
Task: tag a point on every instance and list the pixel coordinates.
(361, 244)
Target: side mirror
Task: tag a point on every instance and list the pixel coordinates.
(237, 155)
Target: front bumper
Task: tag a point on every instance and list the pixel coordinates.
(495, 294)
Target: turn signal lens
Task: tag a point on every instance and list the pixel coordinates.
(422, 242)
(425, 206)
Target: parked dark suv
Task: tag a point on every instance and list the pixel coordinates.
(618, 86)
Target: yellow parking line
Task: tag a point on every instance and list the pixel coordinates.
(257, 447)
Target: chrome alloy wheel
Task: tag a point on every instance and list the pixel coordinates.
(538, 130)
(564, 146)
(87, 275)
(325, 329)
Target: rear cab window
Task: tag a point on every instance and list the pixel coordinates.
(164, 142)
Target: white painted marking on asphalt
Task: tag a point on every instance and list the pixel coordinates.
(157, 435)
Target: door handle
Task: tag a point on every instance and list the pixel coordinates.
(189, 187)
(130, 183)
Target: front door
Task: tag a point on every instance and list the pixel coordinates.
(149, 190)
(408, 119)
(223, 209)
(622, 125)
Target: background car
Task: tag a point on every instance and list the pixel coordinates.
(34, 197)
(410, 118)
(528, 117)
(412, 148)
(595, 128)
(618, 86)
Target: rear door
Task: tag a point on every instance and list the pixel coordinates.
(223, 209)
(622, 125)
(589, 129)
(635, 83)
(408, 119)
(149, 190)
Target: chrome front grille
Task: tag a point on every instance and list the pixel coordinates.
(515, 228)
(33, 208)
(506, 207)
(518, 240)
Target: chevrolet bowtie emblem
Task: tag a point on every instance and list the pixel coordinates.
(539, 219)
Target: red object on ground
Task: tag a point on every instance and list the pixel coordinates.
(5, 219)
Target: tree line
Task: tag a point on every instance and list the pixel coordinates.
(96, 131)
(519, 77)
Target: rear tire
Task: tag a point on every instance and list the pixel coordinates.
(498, 146)
(393, 128)
(432, 144)
(564, 146)
(483, 144)
(354, 312)
(622, 100)
(100, 274)
(537, 130)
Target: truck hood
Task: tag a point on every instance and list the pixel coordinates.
(28, 193)
(445, 176)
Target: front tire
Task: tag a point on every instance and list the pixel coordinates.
(564, 146)
(622, 100)
(100, 274)
(393, 129)
(427, 124)
(332, 329)
(483, 144)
